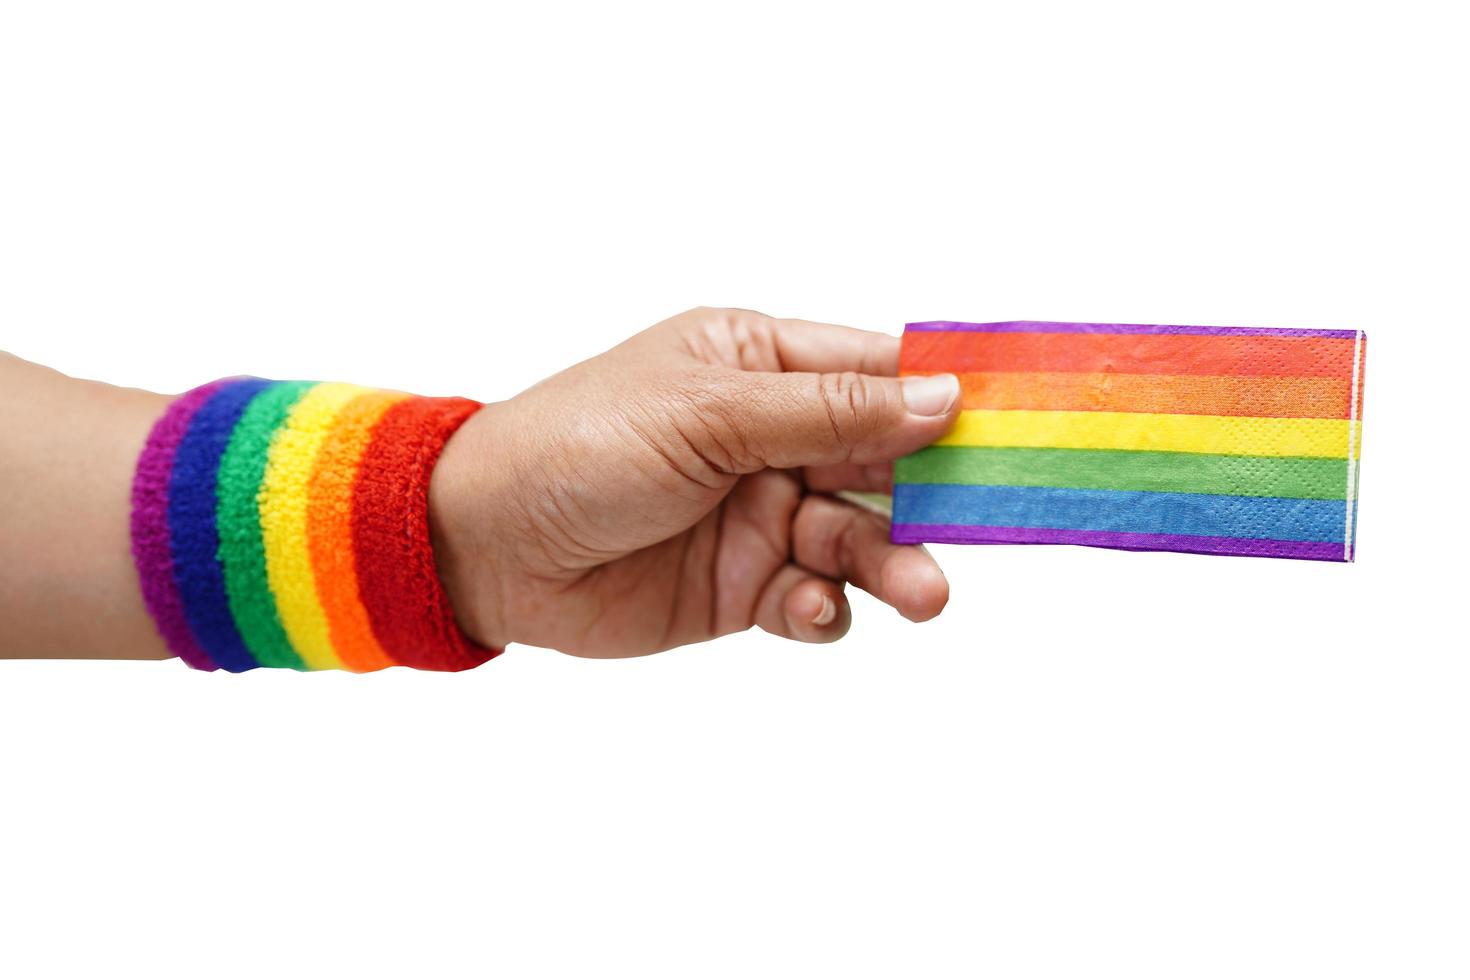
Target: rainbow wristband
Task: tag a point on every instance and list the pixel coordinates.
(286, 524)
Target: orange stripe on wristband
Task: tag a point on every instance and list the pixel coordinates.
(329, 530)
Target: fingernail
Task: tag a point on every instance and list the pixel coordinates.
(827, 613)
(930, 395)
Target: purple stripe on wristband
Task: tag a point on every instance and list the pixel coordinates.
(152, 550)
(1046, 326)
(1124, 540)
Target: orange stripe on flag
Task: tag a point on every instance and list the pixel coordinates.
(1167, 394)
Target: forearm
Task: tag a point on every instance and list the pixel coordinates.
(68, 587)
(673, 489)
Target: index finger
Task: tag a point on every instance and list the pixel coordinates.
(803, 345)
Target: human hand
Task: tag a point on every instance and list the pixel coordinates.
(677, 488)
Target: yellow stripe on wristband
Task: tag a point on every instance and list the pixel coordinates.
(283, 513)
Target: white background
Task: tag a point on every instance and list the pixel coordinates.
(1094, 764)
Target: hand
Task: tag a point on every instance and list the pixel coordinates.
(676, 489)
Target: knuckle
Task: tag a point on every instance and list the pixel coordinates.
(825, 538)
(754, 341)
(730, 337)
(844, 543)
(852, 401)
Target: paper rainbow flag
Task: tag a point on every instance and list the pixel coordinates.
(1215, 440)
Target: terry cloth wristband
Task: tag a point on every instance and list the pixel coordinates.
(286, 524)
(1216, 440)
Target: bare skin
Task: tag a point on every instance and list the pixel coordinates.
(67, 449)
(673, 489)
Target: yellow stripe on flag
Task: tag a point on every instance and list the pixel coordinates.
(1223, 434)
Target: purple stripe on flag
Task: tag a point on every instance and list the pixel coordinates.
(1044, 326)
(1127, 541)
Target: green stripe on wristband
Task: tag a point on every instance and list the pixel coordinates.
(241, 550)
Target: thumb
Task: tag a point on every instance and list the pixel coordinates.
(798, 419)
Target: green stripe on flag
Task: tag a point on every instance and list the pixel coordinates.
(1313, 478)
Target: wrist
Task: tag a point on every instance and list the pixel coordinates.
(467, 537)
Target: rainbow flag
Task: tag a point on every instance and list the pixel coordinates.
(1215, 440)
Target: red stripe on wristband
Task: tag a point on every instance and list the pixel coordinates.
(396, 577)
